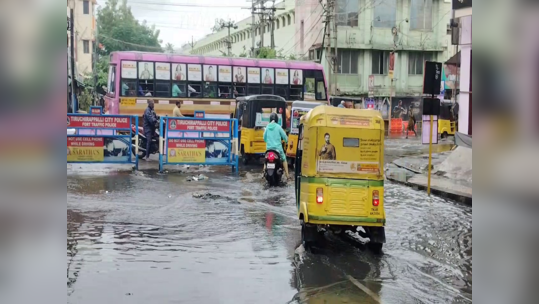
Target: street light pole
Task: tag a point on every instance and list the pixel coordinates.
(74, 104)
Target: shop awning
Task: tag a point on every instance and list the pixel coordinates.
(455, 60)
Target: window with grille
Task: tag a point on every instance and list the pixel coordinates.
(416, 62)
(380, 61)
(421, 15)
(347, 61)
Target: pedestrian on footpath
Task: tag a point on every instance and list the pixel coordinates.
(176, 112)
(341, 105)
(411, 123)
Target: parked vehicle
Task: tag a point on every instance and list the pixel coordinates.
(299, 108)
(142, 140)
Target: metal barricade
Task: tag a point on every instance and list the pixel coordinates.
(198, 141)
(107, 139)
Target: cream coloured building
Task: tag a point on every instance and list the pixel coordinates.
(84, 14)
(215, 44)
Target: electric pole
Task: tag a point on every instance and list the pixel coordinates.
(335, 45)
(229, 25)
(329, 57)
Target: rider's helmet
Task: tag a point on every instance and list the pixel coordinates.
(274, 117)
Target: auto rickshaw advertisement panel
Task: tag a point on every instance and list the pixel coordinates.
(349, 151)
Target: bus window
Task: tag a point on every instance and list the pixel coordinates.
(210, 90)
(321, 90)
(162, 89)
(267, 89)
(225, 91)
(129, 87)
(179, 89)
(296, 92)
(240, 90)
(253, 90)
(111, 84)
(282, 90)
(194, 89)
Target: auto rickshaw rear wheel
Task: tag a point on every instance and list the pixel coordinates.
(375, 247)
(309, 235)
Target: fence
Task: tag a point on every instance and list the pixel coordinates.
(107, 139)
(198, 141)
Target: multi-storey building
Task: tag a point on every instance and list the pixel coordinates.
(367, 32)
(216, 44)
(84, 34)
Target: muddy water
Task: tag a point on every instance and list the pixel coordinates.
(146, 239)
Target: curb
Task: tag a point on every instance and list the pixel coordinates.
(443, 194)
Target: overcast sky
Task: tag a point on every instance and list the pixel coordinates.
(179, 20)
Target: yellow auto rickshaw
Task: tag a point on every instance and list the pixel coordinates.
(299, 108)
(339, 174)
(253, 112)
(446, 122)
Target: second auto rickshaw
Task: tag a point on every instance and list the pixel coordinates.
(299, 108)
(253, 113)
(339, 174)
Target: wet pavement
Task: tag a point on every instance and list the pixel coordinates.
(151, 238)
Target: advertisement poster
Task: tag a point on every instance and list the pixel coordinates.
(254, 75)
(349, 154)
(129, 69)
(186, 151)
(268, 76)
(282, 76)
(239, 74)
(195, 72)
(145, 70)
(193, 125)
(296, 116)
(85, 149)
(296, 77)
(98, 149)
(210, 73)
(263, 119)
(162, 71)
(225, 73)
(198, 151)
(178, 72)
(104, 122)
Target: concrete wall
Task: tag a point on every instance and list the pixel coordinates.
(215, 43)
(464, 98)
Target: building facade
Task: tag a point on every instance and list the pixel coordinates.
(463, 19)
(369, 30)
(84, 16)
(216, 44)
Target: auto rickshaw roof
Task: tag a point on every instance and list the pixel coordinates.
(306, 104)
(324, 111)
(261, 98)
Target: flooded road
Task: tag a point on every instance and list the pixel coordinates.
(150, 238)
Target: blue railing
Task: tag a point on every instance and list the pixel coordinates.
(107, 139)
(198, 141)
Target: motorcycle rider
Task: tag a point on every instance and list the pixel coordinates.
(273, 136)
(150, 121)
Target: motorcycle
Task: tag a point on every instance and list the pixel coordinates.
(142, 140)
(274, 168)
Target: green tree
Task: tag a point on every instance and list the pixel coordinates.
(120, 31)
(267, 53)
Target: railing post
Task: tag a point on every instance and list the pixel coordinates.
(161, 144)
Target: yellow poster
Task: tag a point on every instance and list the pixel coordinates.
(85, 149)
(186, 151)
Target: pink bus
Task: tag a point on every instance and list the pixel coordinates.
(209, 84)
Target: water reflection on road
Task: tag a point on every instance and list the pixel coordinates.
(146, 239)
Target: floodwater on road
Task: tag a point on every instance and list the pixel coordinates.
(149, 238)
